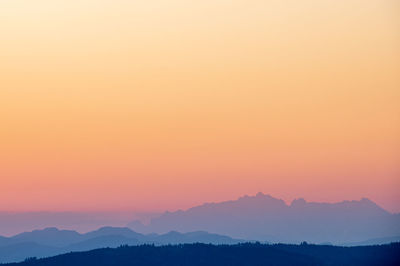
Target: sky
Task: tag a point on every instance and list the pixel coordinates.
(160, 105)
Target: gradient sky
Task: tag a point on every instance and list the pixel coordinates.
(153, 105)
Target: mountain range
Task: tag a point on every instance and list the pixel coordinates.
(52, 241)
(265, 218)
(250, 218)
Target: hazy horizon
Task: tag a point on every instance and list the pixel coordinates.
(12, 223)
(143, 212)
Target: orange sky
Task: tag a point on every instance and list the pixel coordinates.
(153, 105)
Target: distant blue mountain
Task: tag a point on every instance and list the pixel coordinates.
(21, 251)
(49, 237)
(265, 218)
(110, 241)
(51, 241)
(3, 240)
(175, 237)
(119, 231)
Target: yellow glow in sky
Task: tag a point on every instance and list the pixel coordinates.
(152, 105)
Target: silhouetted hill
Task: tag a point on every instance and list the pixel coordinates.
(12, 223)
(108, 230)
(241, 254)
(21, 251)
(49, 236)
(111, 241)
(51, 241)
(265, 218)
(3, 240)
(174, 237)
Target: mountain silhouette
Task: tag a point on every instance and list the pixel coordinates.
(50, 236)
(266, 218)
(110, 241)
(52, 241)
(120, 231)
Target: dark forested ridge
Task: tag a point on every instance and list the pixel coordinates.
(239, 254)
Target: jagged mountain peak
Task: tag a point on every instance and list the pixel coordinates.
(263, 217)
